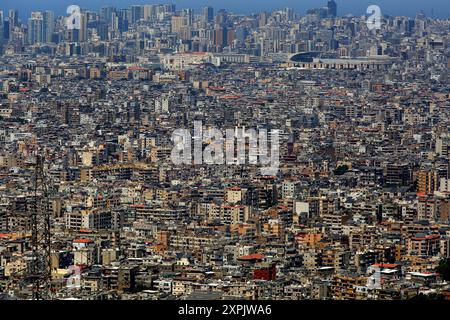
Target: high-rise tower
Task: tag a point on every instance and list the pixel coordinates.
(35, 28)
(332, 8)
(2, 30)
(49, 25)
(208, 14)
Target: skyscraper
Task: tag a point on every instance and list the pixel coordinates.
(223, 36)
(208, 14)
(122, 21)
(189, 15)
(2, 35)
(169, 8)
(241, 33)
(332, 8)
(13, 18)
(178, 22)
(289, 14)
(82, 36)
(221, 17)
(106, 14)
(137, 13)
(148, 12)
(5, 29)
(49, 24)
(262, 19)
(35, 28)
(220, 36)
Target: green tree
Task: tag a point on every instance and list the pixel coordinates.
(444, 269)
(341, 170)
(427, 297)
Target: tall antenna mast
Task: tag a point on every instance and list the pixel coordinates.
(41, 271)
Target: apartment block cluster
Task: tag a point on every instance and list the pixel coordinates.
(358, 209)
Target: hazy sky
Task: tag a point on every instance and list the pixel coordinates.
(440, 8)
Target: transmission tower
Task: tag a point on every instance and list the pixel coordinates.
(40, 270)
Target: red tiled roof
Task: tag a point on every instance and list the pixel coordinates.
(216, 88)
(429, 237)
(137, 69)
(83, 241)
(230, 97)
(137, 206)
(254, 256)
(386, 265)
(421, 194)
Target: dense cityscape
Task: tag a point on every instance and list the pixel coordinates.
(95, 206)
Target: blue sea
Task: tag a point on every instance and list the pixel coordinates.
(432, 8)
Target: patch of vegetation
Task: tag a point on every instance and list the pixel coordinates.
(444, 269)
(341, 170)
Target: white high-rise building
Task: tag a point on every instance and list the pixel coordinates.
(2, 30)
(35, 28)
(49, 25)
